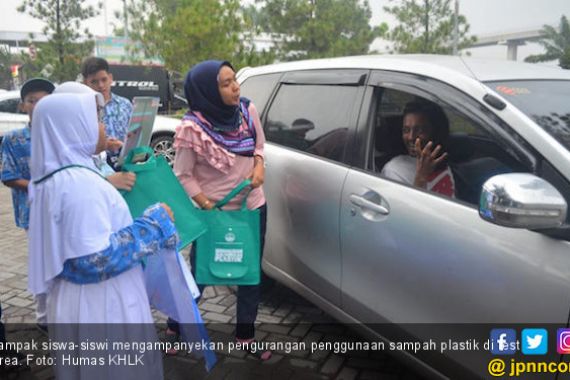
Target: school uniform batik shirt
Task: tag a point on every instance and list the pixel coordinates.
(116, 116)
(15, 158)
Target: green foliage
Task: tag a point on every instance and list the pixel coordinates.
(63, 52)
(556, 43)
(185, 32)
(319, 28)
(5, 58)
(5, 63)
(255, 19)
(426, 26)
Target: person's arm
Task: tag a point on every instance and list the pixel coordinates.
(18, 184)
(258, 173)
(119, 180)
(122, 180)
(11, 175)
(147, 235)
(260, 136)
(203, 201)
(113, 145)
(184, 168)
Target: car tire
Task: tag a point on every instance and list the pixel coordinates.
(163, 145)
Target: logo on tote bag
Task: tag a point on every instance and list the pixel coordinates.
(230, 237)
(228, 255)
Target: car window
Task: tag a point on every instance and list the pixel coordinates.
(547, 102)
(316, 119)
(473, 153)
(10, 105)
(259, 89)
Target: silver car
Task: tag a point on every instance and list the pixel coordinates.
(387, 256)
(10, 115)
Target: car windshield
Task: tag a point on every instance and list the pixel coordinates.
(547, 102)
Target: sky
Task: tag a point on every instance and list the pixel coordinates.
(486, 17)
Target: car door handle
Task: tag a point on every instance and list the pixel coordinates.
(365, 203)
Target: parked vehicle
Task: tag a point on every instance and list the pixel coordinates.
(136, 80)
(10, 115)
(163, 136)
(381, 254)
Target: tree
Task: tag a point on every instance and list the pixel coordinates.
(185, 32)
(248, 53)
(426, 26)
(64, 50)
(5, 63)
(319, 28)
(256, 18)
(556, 43)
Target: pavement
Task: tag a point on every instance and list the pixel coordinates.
(283, 317)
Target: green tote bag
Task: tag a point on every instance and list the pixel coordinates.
(157, 183)
(228, 253)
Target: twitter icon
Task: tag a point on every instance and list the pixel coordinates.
(534, 341)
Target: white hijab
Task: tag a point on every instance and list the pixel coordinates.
(73, 212)
(64, 132)
(79, 88)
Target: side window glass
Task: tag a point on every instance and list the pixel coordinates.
(259, 89)
(9, 105)
(316, 119)
(473, 154)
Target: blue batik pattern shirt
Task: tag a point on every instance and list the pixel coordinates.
(116, 116)
(15, 158)
(147, 235)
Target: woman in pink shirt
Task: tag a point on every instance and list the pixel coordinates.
(219, 143)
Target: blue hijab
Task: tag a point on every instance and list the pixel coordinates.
(202, 94)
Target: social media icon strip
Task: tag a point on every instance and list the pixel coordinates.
(534, 341)
(563, 341)
(504, 341)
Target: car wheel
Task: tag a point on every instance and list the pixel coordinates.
(163, 145)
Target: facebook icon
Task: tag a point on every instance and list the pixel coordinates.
(503, 341)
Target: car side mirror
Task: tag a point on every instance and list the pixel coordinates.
(521, 200)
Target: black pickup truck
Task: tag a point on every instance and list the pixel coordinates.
(134, 80)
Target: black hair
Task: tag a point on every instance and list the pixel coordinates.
(92, 65)
(228, 64)
(436, 117)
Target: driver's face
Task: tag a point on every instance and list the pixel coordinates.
(416, 125)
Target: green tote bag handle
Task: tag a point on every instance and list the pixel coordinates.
(238, 189)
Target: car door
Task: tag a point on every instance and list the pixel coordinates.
(309, 125)
(413, 257)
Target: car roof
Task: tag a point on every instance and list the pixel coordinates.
(437, 66)
(9, 95)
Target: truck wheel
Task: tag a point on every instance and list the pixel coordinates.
(162, 145)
